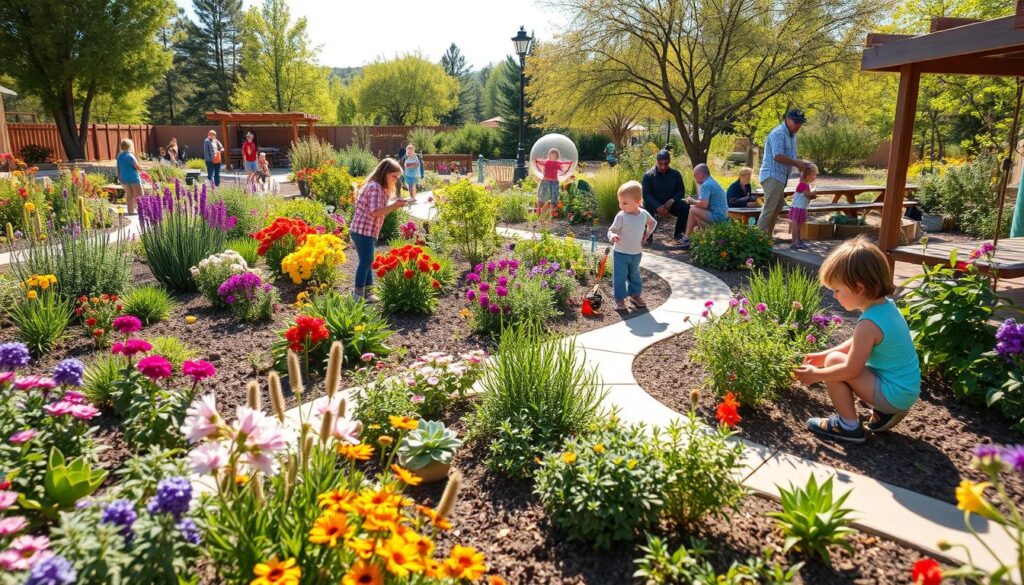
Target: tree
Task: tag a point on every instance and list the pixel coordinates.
(507, 106)
(493, 77)
(212, 50)
(708, 63)
(127, 107)
(281, 74)
(408, 91)
(53, 49)
(346, 104)
(454, 64)
(172, 91)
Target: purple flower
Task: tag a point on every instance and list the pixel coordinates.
(743, 312)
(484, 300)
(1014, 456)
(491, 267)
(189, 531)
(173, 496)
(501, 291)
(53, 570)
(120, 513)
(69, 372)
(13, 356)
(502, 281)
(472, 277)
(1010, 339)
(494, 309)
(484, 287)
(470, 294)
(761, 307)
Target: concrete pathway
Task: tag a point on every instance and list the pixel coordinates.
(128, 232)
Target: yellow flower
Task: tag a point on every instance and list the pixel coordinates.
(330, 528)
(465, 562)
(334, 500)
(32, 295)
(406, 423)
(599, 448)
(402, 557)
(631, 464)
(30, 207)
(359, 328)
(969, 498)
(190, 319)
(569, 457)
(360, 452)
(362, 547)
(464, 313)
(406, 476)
(42, 237)
(436, 520)
(363, 573)
(276, 573)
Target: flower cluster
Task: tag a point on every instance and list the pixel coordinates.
(727, 412)
(409, 279)
(306, 334)
(435, 379)
(561, 282)
(248, 296)
(315, 259)
(252, 441)
(496, 278)
(98, 315)
(408, 230)
(986, 249)
(214, 270)
(41, 281)
(1010, 340)
(292, 231)
(152, 208)
(13, 355)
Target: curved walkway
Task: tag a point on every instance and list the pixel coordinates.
(898, 514)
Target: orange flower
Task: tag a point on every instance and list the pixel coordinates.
(402, 558)
(330, 528)
(276, 573)
(363, 573)
(465, 562)
(496, 580)
(360, 452)
(436, 520)
(727, 412)
(406, 476)
(334, 500)
(406, 423)
(362, 547)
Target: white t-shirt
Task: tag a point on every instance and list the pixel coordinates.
(630, 229)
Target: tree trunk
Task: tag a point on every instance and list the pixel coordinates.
(73, 139)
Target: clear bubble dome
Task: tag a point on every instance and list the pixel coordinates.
(566, 152)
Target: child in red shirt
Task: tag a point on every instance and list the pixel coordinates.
(548, 190)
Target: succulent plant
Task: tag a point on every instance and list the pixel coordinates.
(429, 441)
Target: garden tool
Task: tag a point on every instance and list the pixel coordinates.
(592, 302)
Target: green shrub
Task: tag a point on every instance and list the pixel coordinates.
(332, 186)
(969, 197)
(175, 350)
(541, 381)
(689, 566)
(703, 470)
(406, 280)
(605, 183)
(10, 294)
(197, 164)
(579, 205)
(84, 264)
(471, 139)
(791, 296)
(514, 205)
(837, 147)
(150, 303)
(728, 245)
(389, 230)
(567, 252)
(749, 355)
(424, 139)
(246, 248)
(166, 173)
(603, 486)
(212, 271)
(100, 376)
(178, 240)
(516, 445)
(468, 215)
(358, 161)
(310, 211)
(41, 322)
(431, 181)
(310, 153)
(501, 296)
(248, 209)
(377, 399)
(634, 161)
(358, 326)
(812, 520)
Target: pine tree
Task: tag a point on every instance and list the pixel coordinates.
(172, 91)
(507, 106)
(213, 56)
(454, 64)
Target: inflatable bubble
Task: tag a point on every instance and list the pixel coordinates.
(567, 154)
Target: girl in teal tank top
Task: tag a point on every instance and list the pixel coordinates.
(879, 363)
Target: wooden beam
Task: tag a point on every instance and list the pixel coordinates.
(1018, 17)
(997, 66)
(295, 132)
(948, 22)
(899, 159)
(226, 157)
(978, 39)
(882, 38)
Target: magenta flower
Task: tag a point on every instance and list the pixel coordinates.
(59, 408)
(24, 552)
(131, 347)
(501, 291)
(22, 436)
(30, 382)
(812, 339)
(494, 309)
(484, 287)
(761, 307)
(84, 411)
(198, 369)
(750, 262)
(6, 377)
(743, 312)
(836, 319)
(127, 324)
(704, 313)
(12, 525)
(470, 295)
(74, 397)
(709, 304)
(733, 302)
(155, 367)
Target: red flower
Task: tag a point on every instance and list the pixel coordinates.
(423, 266)
(98, 333)
(408, 273)
(435, 267)
(435, 284)
(90, 322)
(926, 572)
(105, 297)
(381, 273)
(83, 299)
(78, 310)
(306, 333)
(727, 412)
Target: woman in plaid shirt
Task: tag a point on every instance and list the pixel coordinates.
(371, 207)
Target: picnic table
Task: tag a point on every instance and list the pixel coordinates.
(850, 192)
(851, 209)
(1008, 259)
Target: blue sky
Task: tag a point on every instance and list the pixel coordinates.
(482, 29)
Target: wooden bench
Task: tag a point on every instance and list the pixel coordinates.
(742, 213)
(1008, 259)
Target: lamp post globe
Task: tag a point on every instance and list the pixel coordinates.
(522, 42)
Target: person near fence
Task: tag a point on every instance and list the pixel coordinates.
(250, 154)
(779, 157)
(709, 207)
(412, 167)
(213, 152)
(371, 208)
(664, 194)
(173, 153)
(129, 174)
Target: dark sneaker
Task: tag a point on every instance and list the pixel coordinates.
(620, 305)
(639, 301)
(830, 428)
(883, 422)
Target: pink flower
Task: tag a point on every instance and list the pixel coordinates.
(261, 437)
(750, 262)
(7, 499)
(155, 367)
(201, 419)
(417, 399)
(709, 304)
(74, 397)
(59, 408)
(208, 457)
(367, 356)
(704, 313)
(734, 302)
(433, 381)
(761, 307)
(347, 431)
(127, 324)
(198, 369)
(836, 319)
(812, 339)
(25, 552)
(134, 346)
(84, 411)
(6, 377)
(30, 382)
(22, 436)
(743, 312)
(12, 525)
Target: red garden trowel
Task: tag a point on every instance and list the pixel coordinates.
(592, 302)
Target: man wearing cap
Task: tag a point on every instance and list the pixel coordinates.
(664, 193)
(779, 157)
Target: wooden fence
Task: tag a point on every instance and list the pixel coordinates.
(102, 141)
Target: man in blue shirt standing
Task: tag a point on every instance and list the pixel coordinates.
(779, 158)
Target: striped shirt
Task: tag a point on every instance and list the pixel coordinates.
(779, 141)
(371, 198)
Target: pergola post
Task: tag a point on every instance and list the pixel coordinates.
(295, 131)
(227, 147)
(899, 158)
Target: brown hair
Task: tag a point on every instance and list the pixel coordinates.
(858, 262)
(633, 189)
(385, 167)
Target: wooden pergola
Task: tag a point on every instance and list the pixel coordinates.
(267, 118)
(953, 46)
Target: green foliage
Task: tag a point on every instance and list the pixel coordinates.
(42, 323)
(516, 446)
(10, 294)
(177, 243)
(523, 298)
(468, 216)
(165, 173)
(358, 326)
(246, 248)
(389, 230)
(100, 376)
(309, 211)
(637, 160)
(605, 183)
(688, 566)
(152, 413)
(702, 470)
(429, 442)
(812, 519)
(310, 153)
(749, 355)
(405, 91)
(791, 296)
(67, 482)
(539, 381)
(332, 186)
(431, 181)
(471, 139)
(197, 164)
(406, 281)
(837, 147)
(84, 264)
(424, 139)
(249, 210)
(514, 205)
(567, 252)
(175, 350)
(358, 161)
(579, 205)
(375, 401)
(212, 271)
(727, 245)
(150, 303)
(603, 486)
(967, 194)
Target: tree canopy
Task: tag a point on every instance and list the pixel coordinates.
(408, 91)
(212, 51)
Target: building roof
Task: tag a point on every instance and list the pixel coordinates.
(267, 117)
(6, 91)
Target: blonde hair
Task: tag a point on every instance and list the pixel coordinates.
(384, 168)
(746, 171)
(127, 144)
(811, 168)
(631, 189)
(858, 263)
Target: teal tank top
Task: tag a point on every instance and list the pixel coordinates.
(894, 360)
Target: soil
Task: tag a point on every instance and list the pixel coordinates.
(506, 520)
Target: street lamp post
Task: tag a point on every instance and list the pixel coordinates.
(522, 42)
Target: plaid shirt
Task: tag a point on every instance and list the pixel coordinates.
(371, 198)
(779, 141)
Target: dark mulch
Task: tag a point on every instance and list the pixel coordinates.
(508, 523)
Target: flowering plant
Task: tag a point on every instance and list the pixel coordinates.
(561, 283)
(435, 379)
(281, 238)
(408, 280)
(408, 230)
(315, 259)
(43, 315)
(500, 295)
(213, 270)
(565, 252)
(249, 298)
(97, 315)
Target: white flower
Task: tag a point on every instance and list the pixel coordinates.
(347, 430)
(208, 457)
(261, 437)
(201, 419)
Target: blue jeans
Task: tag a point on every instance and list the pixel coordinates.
(626, 275)
(365, 249)
(213, 173)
